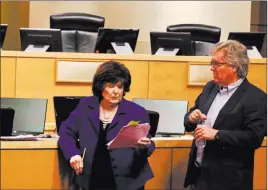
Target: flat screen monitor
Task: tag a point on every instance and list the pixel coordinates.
(3, 29)
(249, 39)
(107, 36)
(39, 38)
(30, 114)
(63, 106)
(171, 114)
(171, 40)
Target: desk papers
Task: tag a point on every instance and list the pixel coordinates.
(20, 138)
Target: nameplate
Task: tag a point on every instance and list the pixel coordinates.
(199, 74)
(74, 71)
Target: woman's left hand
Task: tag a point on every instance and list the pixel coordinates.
(144, 142)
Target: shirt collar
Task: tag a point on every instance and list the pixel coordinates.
(231, 87)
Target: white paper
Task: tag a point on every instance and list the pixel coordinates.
(20, 138)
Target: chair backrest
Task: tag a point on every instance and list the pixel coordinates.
(6, 118)
(154, 119)
(79, 30)
(199, 32)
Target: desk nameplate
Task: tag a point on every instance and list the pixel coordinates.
(199, 74)
(76, 71)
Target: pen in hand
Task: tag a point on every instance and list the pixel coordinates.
(83, 156)
(77, 163)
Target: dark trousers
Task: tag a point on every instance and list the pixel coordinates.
(201, 182)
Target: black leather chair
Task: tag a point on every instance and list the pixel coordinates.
(79, 30)
(6, 118)
(154, 119)
(206, 34)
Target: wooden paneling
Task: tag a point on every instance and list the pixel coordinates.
(160, 162)
(257, 75)
(30, 169)
(260, 168)
(153, 77)
(8, 74)
(39, 165)
(179, 167)
(168, 80)
(36, 78)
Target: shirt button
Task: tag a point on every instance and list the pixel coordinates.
(114, 167)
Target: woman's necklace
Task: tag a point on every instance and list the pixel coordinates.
(107, 118)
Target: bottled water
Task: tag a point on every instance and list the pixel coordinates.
(201, 144)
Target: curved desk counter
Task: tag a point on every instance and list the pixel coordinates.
(39, 165)
(44, 75)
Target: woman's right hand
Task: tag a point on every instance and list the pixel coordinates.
(76, 163)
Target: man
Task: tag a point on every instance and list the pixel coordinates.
(237, 113)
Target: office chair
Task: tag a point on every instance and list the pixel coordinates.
(79, 30)
(154, 119)
(6, 117)
(204, 37)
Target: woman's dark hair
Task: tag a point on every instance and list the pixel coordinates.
(110, 72)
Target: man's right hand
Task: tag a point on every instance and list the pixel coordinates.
(76, 163)
(196, 116)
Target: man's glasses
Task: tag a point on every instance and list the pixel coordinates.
(216, 64)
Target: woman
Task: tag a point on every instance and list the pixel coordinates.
(96, 121)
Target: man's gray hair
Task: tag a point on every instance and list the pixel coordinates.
(235, 54)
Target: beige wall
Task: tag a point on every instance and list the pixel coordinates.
(151, 15)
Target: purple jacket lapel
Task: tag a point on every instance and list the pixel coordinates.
(94, 112)
(122, 109)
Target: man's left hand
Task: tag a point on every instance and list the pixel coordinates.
(204, 133)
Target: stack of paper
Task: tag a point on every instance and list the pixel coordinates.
(20, 138)
(129, 135)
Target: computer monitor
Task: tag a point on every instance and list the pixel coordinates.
(3, 29)
(171, 114)
(120, 41)
(33, 39)
(63, 106)
(249, 39)
(167, 43)
(30, 114)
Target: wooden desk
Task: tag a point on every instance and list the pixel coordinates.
(33, 75)
(39, 165)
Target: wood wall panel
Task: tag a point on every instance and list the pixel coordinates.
(257, 75)
(179, 167)
(160, 162)
(39, 165)
(36, 78)
(260, 168)
(8, 75)
(168, 80)
(30, 169)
